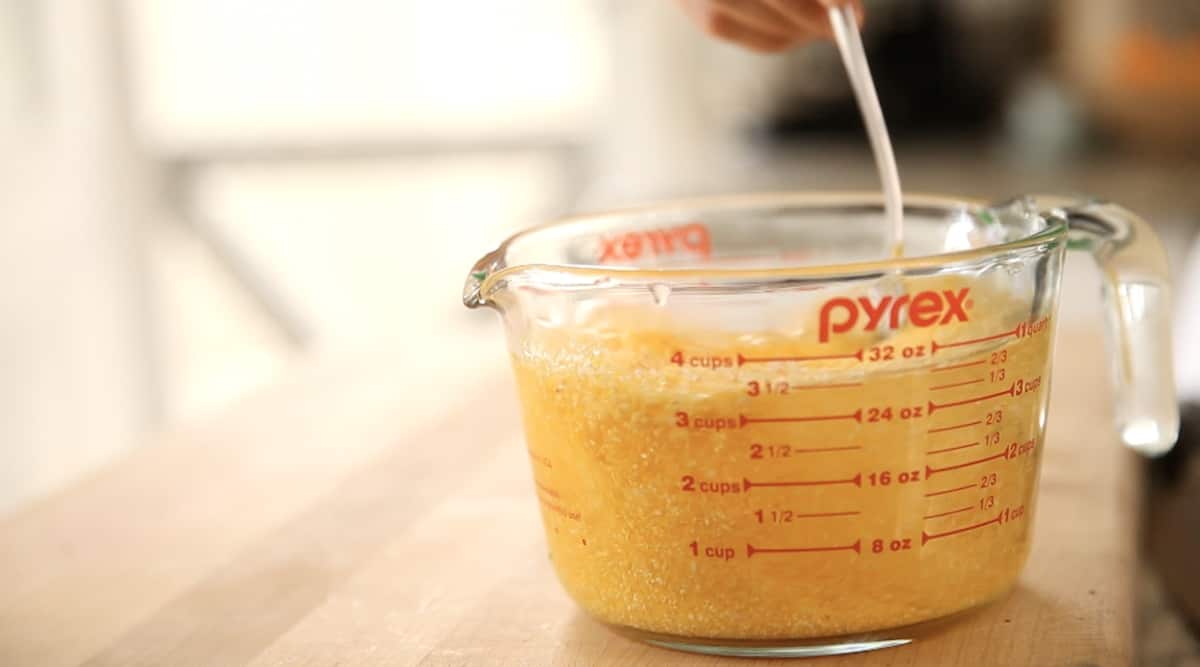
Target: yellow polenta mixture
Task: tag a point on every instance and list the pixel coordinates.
(767, 485)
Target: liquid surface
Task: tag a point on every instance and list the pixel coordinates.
(770, 486)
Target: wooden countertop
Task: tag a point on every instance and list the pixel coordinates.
(382, 513)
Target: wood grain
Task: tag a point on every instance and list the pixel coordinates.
(325, 523)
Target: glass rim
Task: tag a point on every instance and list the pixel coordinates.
(1056, 228)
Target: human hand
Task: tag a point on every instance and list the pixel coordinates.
(766, 26)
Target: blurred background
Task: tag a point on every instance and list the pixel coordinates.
(201, 197)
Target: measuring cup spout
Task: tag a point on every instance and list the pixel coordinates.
(1138, 308)
(473, 295)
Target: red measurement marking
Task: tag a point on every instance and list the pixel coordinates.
(743, 360)
(795, 254)
(827, 386)
(855, 480)
(929, 470)
(751, 549)
(818, 515)
(954, 490)
(856, 416)
(1007, 392)
(956, 384)
(955, 427)
(958, 366)
(559, 509)
(941, 346)
(926, 537)
(953, 449)
(814, 450)
(960, 510)
(539, 458)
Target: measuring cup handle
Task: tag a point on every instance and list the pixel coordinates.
(1138, 313)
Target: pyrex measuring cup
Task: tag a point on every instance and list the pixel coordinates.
(749, 435)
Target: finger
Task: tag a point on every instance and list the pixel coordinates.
(729, 28)
(761, 17)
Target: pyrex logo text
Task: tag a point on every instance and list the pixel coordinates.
(924, 309)
(692, 239)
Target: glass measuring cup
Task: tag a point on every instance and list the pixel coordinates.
(751, 436)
